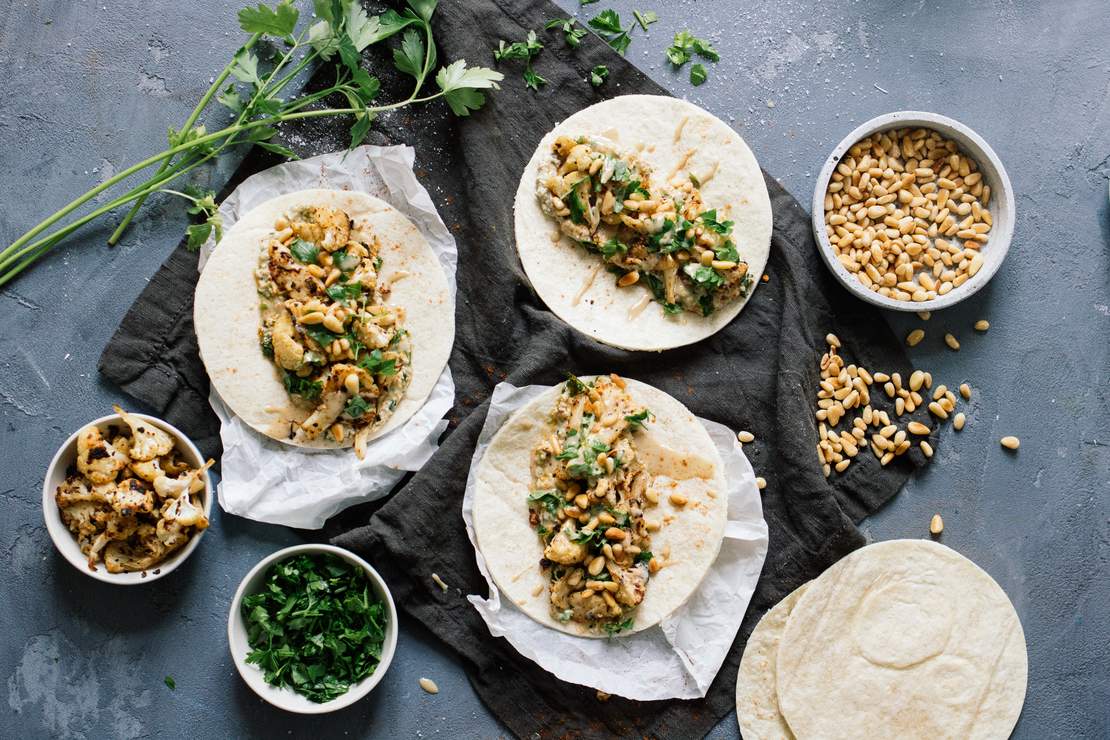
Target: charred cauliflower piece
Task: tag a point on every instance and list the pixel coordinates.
(290, 276)
(288, 352)
(184, 512)
(79, 518)
(147, 470)
(147, 440)
(329, 228)
(561, 550)
(631, 582)
(97, 460)
(333, 400)
(132, 496)
(192, 481)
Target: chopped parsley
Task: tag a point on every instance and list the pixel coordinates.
(686, 45)
(574, 203)
(638, 420)
(525, 50)
(315, 626)
(613, 628)
(704, 276)
(593, 539)
(575, 385)
(357, 407)
(698, 75)
(598, 75)
(645, 18)
(375, 364)
(608, 25)
(644, 556)
(613, 247)
(168, 680)
(549, 500)
(345, 292)
(266, 341)
(571, 32)
(304, 252)
(727, 251)
(307, 389)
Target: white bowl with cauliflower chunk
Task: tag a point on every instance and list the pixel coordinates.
(127, 498)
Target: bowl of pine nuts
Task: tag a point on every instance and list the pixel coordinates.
(913, 211)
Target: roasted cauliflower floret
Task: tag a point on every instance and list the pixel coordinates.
(192, 481)
(288, 352)
(631, 582)
(79, 518)
(329, 228)
(97, 460)
(290, 276)
(184, 512)
(132, 496)
(561, 550)
(147, 470)
(332, 401)
(147, 440)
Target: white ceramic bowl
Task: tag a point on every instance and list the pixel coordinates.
(1001, 206)
(285, 698)
(66, 541)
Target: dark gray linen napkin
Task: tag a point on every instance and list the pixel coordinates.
(760, 373)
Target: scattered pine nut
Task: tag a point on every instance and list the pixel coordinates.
(1010, 443)
(952, 342)
(760, 483)
(601, 695)
(916, 427)
(937, 410)
(832, 340)
(936, 525)
(982, 325)
(429, 685)
(965, 391)
(745, 437)
(915, 337)
(926, 448)
(958, 422)
(924, 315)
(439, 582)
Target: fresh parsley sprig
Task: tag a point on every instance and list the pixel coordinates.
(525, 50)
(683, 49)
(254, 91)
(572, 33)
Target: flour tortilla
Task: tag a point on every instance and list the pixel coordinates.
(559, 271)
(904, 639)
(757, 702)
(675, 442)
(226, 311)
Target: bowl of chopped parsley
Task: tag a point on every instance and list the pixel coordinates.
(312, 629)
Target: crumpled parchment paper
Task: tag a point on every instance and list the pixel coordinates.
(676, 659)
(268, 481)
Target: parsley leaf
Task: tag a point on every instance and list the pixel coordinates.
(523, 50)
(460, 86)
(373, 363)
(727, 251)
(304, 252)
(356, 407)
(532, 79)
(704, 275)
(698, 75)
(575, 385)
(549, 500)
(685, 45)
(571, 32)
(613, 247)
(345, 292)
(303, 387)
(168, 680)
(709, 220)
(644, 556)
(409, 58)
(598, 75)
(637, 420)
(608, 25)
(612, 628)
(645, 18)
(279, 21)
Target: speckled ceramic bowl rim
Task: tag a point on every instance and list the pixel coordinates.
(1002, 206)
(66, 542)
(287, 699)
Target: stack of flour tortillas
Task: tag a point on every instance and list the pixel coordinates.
(904, 639)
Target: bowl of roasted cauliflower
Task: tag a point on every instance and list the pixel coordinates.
(127, 498)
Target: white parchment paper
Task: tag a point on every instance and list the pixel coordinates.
(269, 481)
(676, 659)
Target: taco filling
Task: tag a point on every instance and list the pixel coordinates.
(343, 353)
(650, 233)
(587, 500)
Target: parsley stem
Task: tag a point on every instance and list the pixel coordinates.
(192, 119)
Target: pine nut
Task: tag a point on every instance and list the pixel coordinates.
(924, 315)
(936, 525)
(937, 410)
(914, 337)
(939, 392)
(832, 340)
(350, 382)
(958, 421)
(312, 318)
(745, 437)
(926, 448)
(596, 565)
(916, 427)
(1010, 443)
(629, 278)
(429, 685)
(952, 342)
(982, 325)
(675, 498)
(760, 483)
(916, 379)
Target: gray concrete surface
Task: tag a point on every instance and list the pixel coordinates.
(89, 87)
